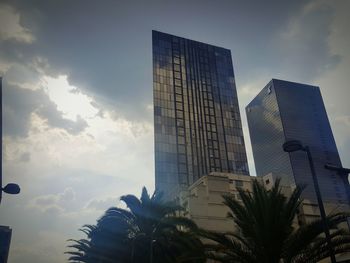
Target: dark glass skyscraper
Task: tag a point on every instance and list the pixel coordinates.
(284, 111)
(5, 240)
(196, 115)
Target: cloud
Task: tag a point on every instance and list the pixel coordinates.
(334, 84)
(48, 200)
(53, 204)
(95, 65)
(344, 120)
(303, 47)
(68, 195)
(11, 28)
(26, 76)
(102, 204)
(24, 157)
(54, 118)
(47, 246)
(249, 90)
(20, 104)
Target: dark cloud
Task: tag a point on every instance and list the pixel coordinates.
(20, 74)
(19, 104)
(105, 49)
(54, 118)
(304, 52)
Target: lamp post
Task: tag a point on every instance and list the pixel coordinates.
(293, 146)
(9, 188)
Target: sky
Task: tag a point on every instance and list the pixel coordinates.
(77, 96)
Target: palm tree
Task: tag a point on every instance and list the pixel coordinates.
(265, 232)
(148, 231)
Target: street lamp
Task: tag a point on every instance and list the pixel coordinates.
(293, 146)
(11, 188)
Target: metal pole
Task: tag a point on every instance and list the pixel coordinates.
(1, 139)
(151, 252)
(320, 205)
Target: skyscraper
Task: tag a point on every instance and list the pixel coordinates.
(284, 111)
(5, 240)
(196, 115)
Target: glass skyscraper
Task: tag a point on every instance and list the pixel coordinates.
(197, 122)
(284, 111)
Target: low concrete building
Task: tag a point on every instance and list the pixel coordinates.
(204, 203)
(203, 200)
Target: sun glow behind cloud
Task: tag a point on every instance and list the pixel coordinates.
(68, 98)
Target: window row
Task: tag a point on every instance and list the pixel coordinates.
(163, 129)
(166, 167)
(164, 103)
(165, 147)
(165, 138)
(163, 80)
(162, 58)
(238, 167)
(163, 88)
(162, 51)
(163, 72)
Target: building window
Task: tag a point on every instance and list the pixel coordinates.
(239, 183)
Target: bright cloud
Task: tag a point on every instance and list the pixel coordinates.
(68, 99)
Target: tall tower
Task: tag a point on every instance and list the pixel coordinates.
(285, 111)
(5, 240)
(197, 122)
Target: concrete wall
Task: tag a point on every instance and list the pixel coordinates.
(204, 203)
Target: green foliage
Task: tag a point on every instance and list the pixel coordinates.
(149, 231)
(264, 230)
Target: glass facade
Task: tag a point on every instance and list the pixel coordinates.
(197, 122)
(284, 111)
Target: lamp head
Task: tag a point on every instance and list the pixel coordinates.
(11, 189)
(292, 146)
